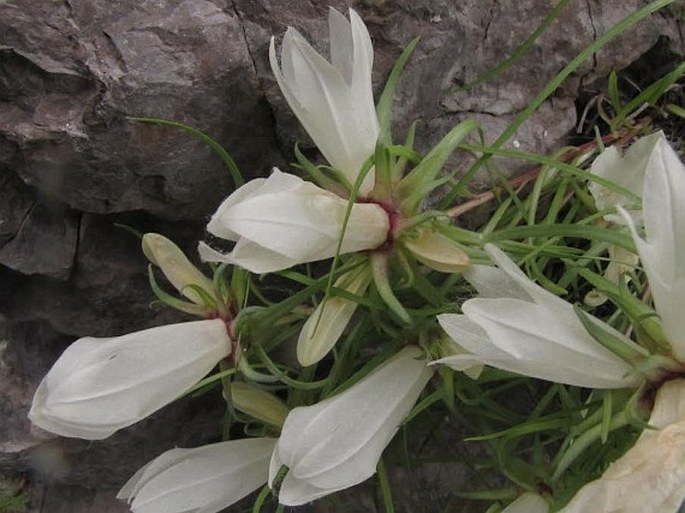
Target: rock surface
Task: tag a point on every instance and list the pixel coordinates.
(72, 166)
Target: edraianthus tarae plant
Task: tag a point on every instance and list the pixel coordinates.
(366, 205)
(303, 428)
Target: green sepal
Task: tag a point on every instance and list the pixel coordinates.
(411, 203)
(379, 267)
(644, 318)
(174, 302)
(224, 296)
(206, 298)
(600, 332)
(406, 154)
(382, 189)
(319, 176)
(426, 171)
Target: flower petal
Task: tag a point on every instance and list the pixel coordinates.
(289, 221)
(628, 171)
(337, 443)
(526, 338)
(99, 386)
(201, 480)
(296, 492)
(663, 251)
(334, 102)
(527, 503)
(341, 44)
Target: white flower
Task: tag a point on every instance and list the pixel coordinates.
(337, 443)
(175, 265)
(650, 477)
(282, 221)
(333, 100)
(518, 326)
(202, 480)
(628, 171)
(527, 503)
(100, 385)
(663, 251)
(326, 324)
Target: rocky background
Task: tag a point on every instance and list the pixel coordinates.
(73, 168)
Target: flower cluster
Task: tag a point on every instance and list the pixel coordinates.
(317, 429)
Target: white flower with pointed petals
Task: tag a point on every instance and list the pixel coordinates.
(628, 171)
(100, 385)
(206, 479)
(282, 221)
(663, 251)
(333, 100)
(518, 326)
(337, 443)
(650, 477)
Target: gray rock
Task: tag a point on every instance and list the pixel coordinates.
(72, 72)
(45, 242)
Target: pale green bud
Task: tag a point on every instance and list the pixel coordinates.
(258, 403)
(437, 251)
(180, 272)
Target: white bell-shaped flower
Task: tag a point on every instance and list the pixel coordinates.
(337, 443)
(628, 171)
(651, 475)
(333, 100)
(100, 385)
(662, 252)
(281, 221)
(518, 326)
(206, 479)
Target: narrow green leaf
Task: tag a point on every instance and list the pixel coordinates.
(386, 492)
(209, 141)
(317, 175)
(384, 107)
(426, 171)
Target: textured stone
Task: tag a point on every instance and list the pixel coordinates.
(108, 292)
(71, 73)
(45, 242)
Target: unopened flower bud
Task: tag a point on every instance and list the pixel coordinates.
(437, 251)
(258, 403)
(180, 272)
